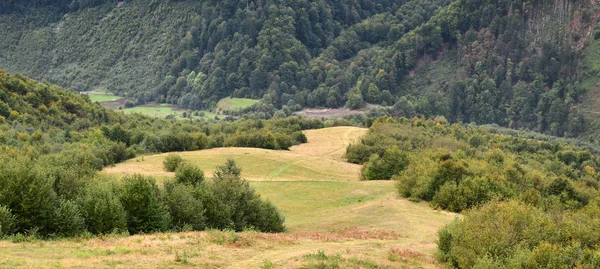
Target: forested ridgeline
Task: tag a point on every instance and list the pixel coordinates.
(54, 141)
(527, 203)
(513, 63)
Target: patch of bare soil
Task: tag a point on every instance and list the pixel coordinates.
(115, 104)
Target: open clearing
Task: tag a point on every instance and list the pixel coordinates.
(102, 97)
(235, 103)
(333, 218)
(164, 110)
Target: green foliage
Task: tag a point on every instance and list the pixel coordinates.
(514, 235)
(8, 222)
(184, 206)
(189, 174)
(67, 219)
(472, 63)
(172, 162)
(232, 204)
(29, 196)
(460, 167)
(391, 163)
(229, 169)
(146, 211)
(102, 209)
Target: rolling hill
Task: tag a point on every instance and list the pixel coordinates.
(333, 218)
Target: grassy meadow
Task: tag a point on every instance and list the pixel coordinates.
(102, 97)
(333, 218)
(235, 103)
(164, 110)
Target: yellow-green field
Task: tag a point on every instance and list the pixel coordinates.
(235, 103)
(102, 97)
(333, 218)
(163, 110)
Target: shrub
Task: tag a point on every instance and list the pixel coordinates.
(8, 222)
(172, 162)
(230, 168)
(146, 212)
(471, 192)
(358, 153)
(497, 230)
(184, 207)
(68, 220)
(393, 162)
(28, 195)
(102, 210)
(189, 174)
(245, 206)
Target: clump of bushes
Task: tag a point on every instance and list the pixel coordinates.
(385, 167)
(7, 221)
(189, 174)
(461, 167)
(136, 204)
(526, 203)
(172, 162)
(512, 234)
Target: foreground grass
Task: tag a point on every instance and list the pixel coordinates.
(334, 219)
(216, 249)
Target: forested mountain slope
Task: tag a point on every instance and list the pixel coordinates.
(514, 63)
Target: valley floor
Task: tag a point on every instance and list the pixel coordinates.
(333, 218)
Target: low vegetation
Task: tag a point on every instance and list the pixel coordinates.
(136, 204)
(527, 203)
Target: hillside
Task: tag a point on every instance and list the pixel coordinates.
(54, 141)
(526, 200)
(332, 218)
(515, 63)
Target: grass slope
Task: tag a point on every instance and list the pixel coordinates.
(164, 110)
(235, 103)
(333, 218)
(102, 97)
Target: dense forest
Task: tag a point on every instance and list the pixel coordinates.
(529, 200)
(513, 63)
(53, 142)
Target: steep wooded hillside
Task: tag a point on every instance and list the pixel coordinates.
(513, 63)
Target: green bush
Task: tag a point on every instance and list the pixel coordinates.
(358, 153)
(8, 222)
(146, 212)
(172, 162)
(185, 208)
(230, 168)
(470, 192)
(231, 203)
(245, 207)
(102, 210)
(68, 220)
(189, 174)
(393, 162)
